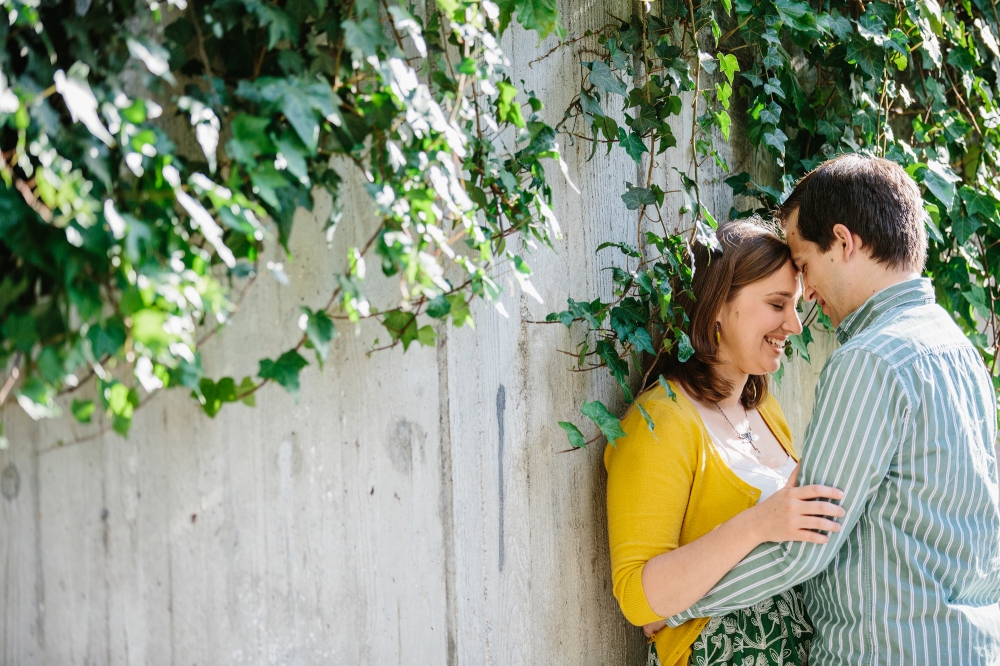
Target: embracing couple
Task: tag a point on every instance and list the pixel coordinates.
(881, 543)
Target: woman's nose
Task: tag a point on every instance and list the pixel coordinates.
(792, 323)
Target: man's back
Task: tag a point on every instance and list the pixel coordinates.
(919, 575)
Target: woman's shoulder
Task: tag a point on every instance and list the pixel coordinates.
(674, 420)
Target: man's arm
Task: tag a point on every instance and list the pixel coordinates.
(859, 416)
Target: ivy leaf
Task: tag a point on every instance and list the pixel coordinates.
(729, 65)
(542, 16)
(507, 110)
(604, 79)
(616, 366)
(609, 424)
(684, 349)
(37, 399)
(773, 87)
(216, 394)
(635, 198)
(978, 203)
(284, 370)
(364, 38)
(723, 120)
(964, 227)
(319, 330)
(940, 180)
(776, 140)
(402, 326)
(647, 419)
(667, 387)
(574, 435)
(83, 410)
(870, 57)
(645, 120)
(632, 143)
(626, 249)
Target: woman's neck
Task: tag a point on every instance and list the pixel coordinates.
(738, 380)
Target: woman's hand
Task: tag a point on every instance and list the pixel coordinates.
(791, 514)
(653, 627)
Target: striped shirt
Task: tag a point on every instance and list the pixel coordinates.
(904, 423)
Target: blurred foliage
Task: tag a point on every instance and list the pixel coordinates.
(915, 82)
(117, 245)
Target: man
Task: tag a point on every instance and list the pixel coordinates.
(904, 423)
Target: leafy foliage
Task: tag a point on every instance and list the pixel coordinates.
(116, 245)
(915, 82)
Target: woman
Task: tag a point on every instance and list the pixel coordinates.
(716, 477)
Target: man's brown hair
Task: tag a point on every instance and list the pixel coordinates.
(871, 196)
(751, 250)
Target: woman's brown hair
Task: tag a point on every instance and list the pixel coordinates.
(750, 250)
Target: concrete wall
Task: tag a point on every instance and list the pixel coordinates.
(408, 509)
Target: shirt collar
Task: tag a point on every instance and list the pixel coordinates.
(917, 291)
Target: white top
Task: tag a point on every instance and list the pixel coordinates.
(742, 459)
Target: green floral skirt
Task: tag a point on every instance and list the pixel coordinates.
(774, 632)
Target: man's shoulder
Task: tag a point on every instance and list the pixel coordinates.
(899, 338)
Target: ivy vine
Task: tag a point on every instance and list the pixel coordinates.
(914, 82)
(120, 253)
(117, 247)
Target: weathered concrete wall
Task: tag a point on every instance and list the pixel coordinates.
(409, 509)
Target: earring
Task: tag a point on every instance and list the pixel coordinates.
(718, 333)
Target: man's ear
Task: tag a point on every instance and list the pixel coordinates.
(845, 242)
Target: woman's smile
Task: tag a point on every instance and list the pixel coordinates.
(776, 343)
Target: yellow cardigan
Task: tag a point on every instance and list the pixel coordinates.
(666, 489)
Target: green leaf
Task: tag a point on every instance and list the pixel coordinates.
(632, 143)
(729, 65)
(636, 197)
(870, 57)
(245, 391)
(148, 327)
(776, 140)
(609, 424)
(645, 120)
(978, 203)
(964, 227)
(646, 418)
(83, 410)
(402, 326)
(37, 399)
(667, 387)
(107, 339)
(364, 38)
(628, 250)
(604, 79)
(542, 16)
(507, 110)
(684, 349)
(940, 180)
(574, 435)
(284, 370)
(216, 394)
(319, 330)
(724, 121)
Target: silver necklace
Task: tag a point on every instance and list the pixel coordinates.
(747, 435)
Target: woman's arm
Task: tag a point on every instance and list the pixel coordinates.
(675, 580)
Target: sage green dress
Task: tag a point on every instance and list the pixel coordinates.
(774, 632)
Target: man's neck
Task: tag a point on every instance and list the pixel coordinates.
(876, 281)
